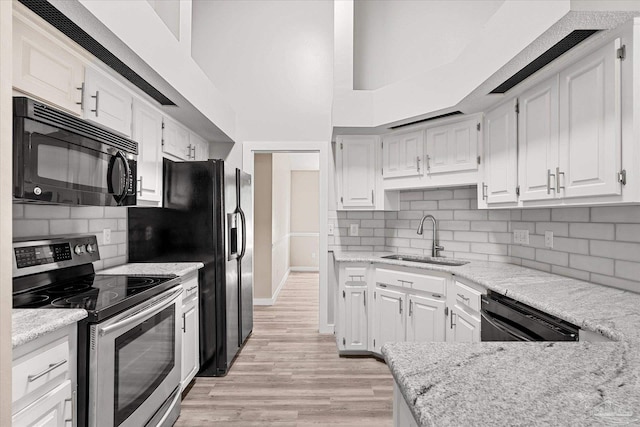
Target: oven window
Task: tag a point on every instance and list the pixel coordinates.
(144, 356)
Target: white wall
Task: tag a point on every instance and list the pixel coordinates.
(305, 197)
(273, 61)
(281, 219)
(394, 40)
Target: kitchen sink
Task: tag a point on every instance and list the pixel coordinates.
(427, 260)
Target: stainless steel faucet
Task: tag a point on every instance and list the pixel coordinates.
(435, 248)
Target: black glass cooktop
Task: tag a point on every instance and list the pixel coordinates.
(100, 295)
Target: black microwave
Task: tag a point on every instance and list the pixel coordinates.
(61, 159)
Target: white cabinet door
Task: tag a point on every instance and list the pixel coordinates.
(538, 141)
(45, 69)
(463, 327)
(426, 319)
(190, 358)
(199, 147)
(175, 140)
(147, 132)
(590, 127)
(51, 410)
(452, 147)
(106, 102)
(402, 155)
(500, 155)
(389, 323)
(355, 328)
(356, 165)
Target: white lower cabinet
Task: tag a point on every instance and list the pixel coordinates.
(425, 319)
(389, 320)
(355, 324)
(44, 380)
(190, 330)
(402, 416)
(464, 312)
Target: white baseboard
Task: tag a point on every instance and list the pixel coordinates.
(328, 330)
(274, 298)
(304, 269)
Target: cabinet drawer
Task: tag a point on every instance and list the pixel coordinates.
(41, 369)
(467, 296)
(355, 274)
(418, 282)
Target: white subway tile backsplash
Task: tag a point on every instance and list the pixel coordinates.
(87, 212)
(592, 231)
(68, 226)
(599, 244)
(592, 264)
(360, 215)
(570, 214)
(18, 210)
(115, 212)
(30, 228)
(97, 225)
(49, 212)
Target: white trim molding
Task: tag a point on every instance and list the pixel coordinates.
(304, 269)
(274, 298)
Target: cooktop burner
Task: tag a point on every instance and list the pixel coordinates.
(94, 293)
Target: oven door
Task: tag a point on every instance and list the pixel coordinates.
(61, 167)
(135, 362)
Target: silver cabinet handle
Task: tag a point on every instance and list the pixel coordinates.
(428, 163)
(81, 103)
(558, 186)
(484, 191)
(51, 367)
(382, 285)
(364, 299)
(372, 197)
(189, 152)
(184, 323)
(410, 307)
(400, 306)
(452, 324)
(418, 164)
(140, 186)
(97, 98)
(192, 288)
(549, 175)
(463, 297)
(194, 152)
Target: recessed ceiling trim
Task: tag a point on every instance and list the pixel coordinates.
(571, 40)
(453, 113)
(59, 20)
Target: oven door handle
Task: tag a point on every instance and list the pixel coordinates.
(499, 325)
(157, 306)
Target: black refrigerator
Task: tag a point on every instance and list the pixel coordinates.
(207, 216)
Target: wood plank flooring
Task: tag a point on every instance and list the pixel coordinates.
(288, 374)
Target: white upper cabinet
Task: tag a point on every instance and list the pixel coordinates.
(402, 155)
(500, 155)
(175, 140)
(452, 147)
(356, 165)
(147, 132)
(44, 68)
(590, 125)
(538, 141)
(107, 102)
(199, 147)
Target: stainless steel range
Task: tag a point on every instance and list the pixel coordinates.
(129, 347)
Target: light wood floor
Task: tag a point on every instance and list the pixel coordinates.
(288, 374)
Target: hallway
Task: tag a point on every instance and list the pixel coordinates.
(289, 375)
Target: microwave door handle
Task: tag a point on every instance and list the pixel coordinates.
(156, 306)
(498, 325)
(127, 178)
(244, 232)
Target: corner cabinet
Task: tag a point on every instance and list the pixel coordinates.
(452, 147)
(359, 173)
(464, 312)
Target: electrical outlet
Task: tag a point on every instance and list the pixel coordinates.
(354, 229)
(330, 229)
(548, 239)
(525, 237)
(521, 237)
(516, 237)
(106, 236)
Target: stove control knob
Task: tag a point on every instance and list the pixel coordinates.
(79, 249)
(90, 248)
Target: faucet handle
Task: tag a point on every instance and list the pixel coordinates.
(437, 248)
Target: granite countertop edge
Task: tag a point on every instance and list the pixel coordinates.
(154, 268)
(29, 324)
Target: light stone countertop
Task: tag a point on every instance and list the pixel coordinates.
(154, 268)
(526, 383)
(29, 324)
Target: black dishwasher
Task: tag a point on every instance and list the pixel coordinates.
(505, 319)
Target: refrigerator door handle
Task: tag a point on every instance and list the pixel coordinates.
(244, 232)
